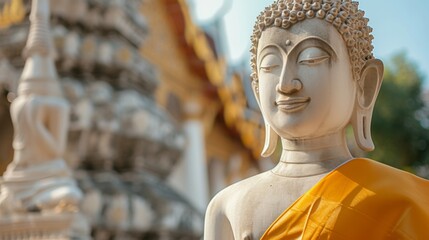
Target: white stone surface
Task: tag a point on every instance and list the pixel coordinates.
(306, 86)
(38, 181)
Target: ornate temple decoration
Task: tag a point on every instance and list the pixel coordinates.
(12, 12)
(121, 144)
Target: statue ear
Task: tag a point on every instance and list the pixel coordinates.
(255, 88)
(271, 136)
(368, 88)
(271, 139)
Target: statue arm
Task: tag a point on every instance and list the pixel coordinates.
(217, 225)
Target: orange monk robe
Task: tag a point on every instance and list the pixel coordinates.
(361, 199)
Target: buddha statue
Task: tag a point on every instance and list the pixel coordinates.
(314, 75)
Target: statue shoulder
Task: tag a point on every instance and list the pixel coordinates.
(220, 209)
(384, 179)
(233, 194)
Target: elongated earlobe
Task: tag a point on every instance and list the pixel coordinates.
(361, 123)
(368, 88)
(271, 139)
(271, 136)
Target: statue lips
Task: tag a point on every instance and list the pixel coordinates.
(294, 104)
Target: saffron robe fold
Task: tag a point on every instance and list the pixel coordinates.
(361, 199)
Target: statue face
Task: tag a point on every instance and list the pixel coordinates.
(306, 86)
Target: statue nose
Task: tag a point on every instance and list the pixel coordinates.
(289, 86)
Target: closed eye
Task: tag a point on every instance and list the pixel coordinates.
(314, 61)
(269, 69)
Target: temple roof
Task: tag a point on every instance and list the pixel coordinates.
(240, 116)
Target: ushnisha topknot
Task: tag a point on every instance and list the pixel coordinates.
(344, 15)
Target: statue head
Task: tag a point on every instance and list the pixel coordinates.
(313, 70)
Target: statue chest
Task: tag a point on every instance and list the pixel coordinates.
(252, 211)
(254, 214)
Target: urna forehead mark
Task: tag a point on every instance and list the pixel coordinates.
(344, 15)
(290, 37)
(321, 34)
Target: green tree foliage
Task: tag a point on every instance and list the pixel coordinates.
(401, 139)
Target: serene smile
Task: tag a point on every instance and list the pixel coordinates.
(292, 104)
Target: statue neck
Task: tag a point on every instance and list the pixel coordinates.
(312, 157)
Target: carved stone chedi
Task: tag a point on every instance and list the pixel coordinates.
(38, 186)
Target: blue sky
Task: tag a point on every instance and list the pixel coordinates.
(399, 25)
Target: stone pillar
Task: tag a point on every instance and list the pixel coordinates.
(190, 177)
(217, 176)
(234, 169)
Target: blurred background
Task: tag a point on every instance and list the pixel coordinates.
(163, 116)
